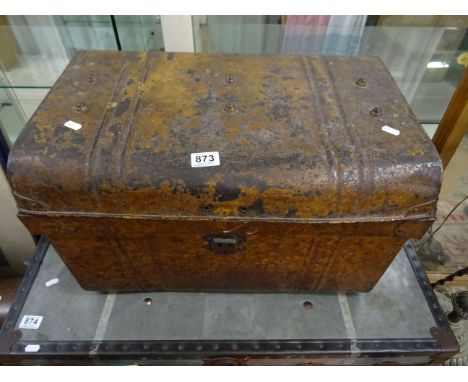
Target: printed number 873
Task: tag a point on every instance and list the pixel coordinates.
(204, 158)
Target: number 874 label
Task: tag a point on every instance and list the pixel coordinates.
(207, 159)
(30, 322)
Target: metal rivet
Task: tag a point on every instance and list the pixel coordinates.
(91, 79)
(148, 301)
(243, 210)
(361, 82)
(215, 346)
(206, 208)
(230, 79)
(230, 108)
(376, 111)
(80, 107)
(199, 347)
(307, 305)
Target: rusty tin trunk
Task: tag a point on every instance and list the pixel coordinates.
(309, 194)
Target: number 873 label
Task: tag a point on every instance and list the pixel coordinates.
(207, 159)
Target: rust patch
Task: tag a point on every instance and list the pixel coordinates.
(224, 193)
(279, 111)
(257, 207)
(291, 212)
(8, 339)
(447, 341)
(121, 107)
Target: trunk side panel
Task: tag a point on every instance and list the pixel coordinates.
(140, 254)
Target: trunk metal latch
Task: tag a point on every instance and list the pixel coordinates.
(225, 244)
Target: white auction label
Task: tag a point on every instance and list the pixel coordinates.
(51, 282)
(207, 159)
(390, 130)
(32, 348)
(72, 125)
(30, 322)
